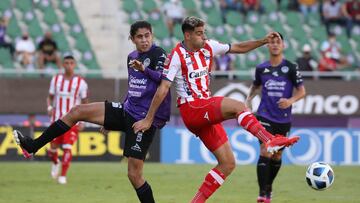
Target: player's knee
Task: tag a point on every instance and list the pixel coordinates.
(76, 111)
(228, 167)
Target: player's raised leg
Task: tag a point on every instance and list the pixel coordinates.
(92, 112)
(235, 109)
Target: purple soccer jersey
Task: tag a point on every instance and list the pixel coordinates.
(277, 82)
(143, 85)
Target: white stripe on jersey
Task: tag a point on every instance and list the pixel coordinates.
(190, 70)
(67, 93)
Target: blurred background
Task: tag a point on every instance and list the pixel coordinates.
(323, 37)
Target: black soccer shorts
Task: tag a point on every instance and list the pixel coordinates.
(273, 127)
(117, 119)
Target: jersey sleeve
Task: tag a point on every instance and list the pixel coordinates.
(295, 76)
(83, 89)
(257, 79)
(218, 48)
(52, 86)
(172, 66)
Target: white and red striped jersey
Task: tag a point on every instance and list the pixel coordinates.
(67, 93)
(190, 70)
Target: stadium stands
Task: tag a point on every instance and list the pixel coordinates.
(58, 16)
(238, 28)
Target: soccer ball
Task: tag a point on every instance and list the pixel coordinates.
(319, 176)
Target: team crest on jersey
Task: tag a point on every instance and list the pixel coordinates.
(284, 69)
(146, 62)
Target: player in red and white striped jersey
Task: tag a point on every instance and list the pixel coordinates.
(189, 67)
(66, 90)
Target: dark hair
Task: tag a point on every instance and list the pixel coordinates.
(281, 36)
(69, 57)
(139, 24)
(190, 23)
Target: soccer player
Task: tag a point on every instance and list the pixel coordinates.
(66, 90)
(277, 78)
(189, 67)
(145, 66)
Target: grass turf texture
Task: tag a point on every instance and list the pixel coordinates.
(29, 182)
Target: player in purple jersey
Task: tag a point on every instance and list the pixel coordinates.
(145, 66)
(277, 79)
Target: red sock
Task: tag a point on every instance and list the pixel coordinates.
(249, 122)
(213, 180)
(53, 155)
(67, 156)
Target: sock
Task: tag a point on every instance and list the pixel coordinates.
(145, 193)
(213, 180)
(67, 156)
(263, 174)
(54, 130)
(275, 166)
(249, 122)
(53, 155)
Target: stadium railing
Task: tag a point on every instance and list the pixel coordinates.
(122, 73)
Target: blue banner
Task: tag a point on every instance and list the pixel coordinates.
(336, 146)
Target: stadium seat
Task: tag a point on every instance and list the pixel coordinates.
(148, 6)
(240, 34)
(24, 5)
(129, 6)
(293, 19)
(214, 17)
(50, 16)
(5, 58)
(190, 7)
(220, 33)
(71, 17)
(4, 5)
(234, 18)
(160, 31)
(34, 29)
(13, 29)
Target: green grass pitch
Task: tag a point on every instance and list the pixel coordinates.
(30, 182)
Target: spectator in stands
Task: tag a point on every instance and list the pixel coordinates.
(332, 14)
(175, 13)
(351, 11)
(308, 5)
(307, 62)
(25, 51)
(252, 5)
(229, 5)
(4, 21)
(224, 62)
(48, 51)
(332, 58)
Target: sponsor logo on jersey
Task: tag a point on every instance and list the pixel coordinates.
(198, 74)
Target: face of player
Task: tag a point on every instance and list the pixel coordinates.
(69, 66)
(197, 38)
(276, 46)
(143, 39)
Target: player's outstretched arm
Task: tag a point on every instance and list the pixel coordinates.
(244, 47)
(158, 98)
